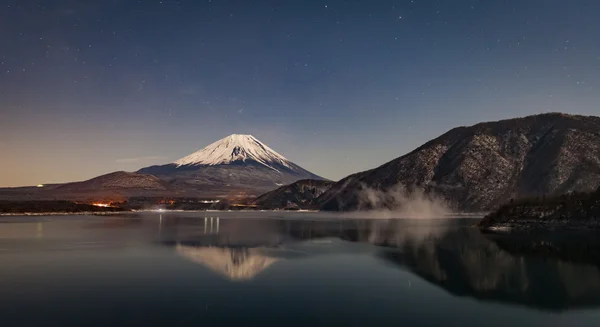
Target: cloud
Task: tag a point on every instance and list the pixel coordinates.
(138, 159)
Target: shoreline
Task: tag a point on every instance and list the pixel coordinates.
(83, 213)
(104, 213)
(535, 226)
(328, 214)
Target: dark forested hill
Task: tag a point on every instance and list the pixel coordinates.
(483, 166)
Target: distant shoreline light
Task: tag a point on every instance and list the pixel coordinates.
(103, 205)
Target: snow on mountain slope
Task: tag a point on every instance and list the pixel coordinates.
(237, 163)
(234, 148)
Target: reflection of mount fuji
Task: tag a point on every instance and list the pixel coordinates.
(234, 263)
(241, 249)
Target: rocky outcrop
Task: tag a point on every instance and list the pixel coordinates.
(483, 166)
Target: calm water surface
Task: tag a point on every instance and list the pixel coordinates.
(299, 270)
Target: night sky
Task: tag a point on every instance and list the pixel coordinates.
(91, 87)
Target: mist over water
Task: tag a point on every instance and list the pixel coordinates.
(401, 202)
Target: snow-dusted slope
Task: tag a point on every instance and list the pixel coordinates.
(480, 167)
(234, 148)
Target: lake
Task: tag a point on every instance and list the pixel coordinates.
(289, 269)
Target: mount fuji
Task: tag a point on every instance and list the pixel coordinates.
(237, 164)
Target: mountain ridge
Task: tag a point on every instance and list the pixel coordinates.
(534, 155)
(116, 186)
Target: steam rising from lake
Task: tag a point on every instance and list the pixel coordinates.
(400, 202)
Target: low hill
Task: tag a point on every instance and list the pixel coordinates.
(568, 211)
(117, 187)
(116, 181)
(299, 195)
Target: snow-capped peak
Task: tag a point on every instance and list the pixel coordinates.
(233, 148)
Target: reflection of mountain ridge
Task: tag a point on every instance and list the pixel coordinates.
(545, 273)
(236, 263)
(465, 263)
